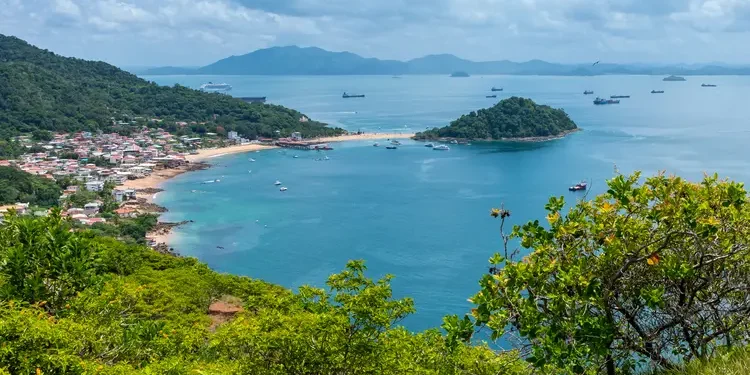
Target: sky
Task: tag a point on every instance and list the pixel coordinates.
(199, 32)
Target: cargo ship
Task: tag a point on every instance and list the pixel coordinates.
(657, 91)
(347, 95)
(619, 96)
(707, 85)
(600, 101)
(496, 89)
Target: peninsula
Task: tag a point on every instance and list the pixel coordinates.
(514, 118)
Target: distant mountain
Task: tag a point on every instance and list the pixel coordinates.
(315, 61)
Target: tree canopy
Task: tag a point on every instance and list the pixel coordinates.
(41, 91)
(647, 275)
(510, 118)
(18, 186)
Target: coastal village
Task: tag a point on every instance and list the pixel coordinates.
(125, 170)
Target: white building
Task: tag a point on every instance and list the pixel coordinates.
(296, 136)
(232, 135)
(95, 185)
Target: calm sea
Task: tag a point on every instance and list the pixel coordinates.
(423, 215)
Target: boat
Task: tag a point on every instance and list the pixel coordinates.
(600, 101)
(619, 96)
(491, 96)
(277, 183)
(326, 158)
(588, 92)
(249, 171)
(579, 186)
(707, 85)
(376, 144)
(283, 188)
(441, 148)
(657, 91)
(296, 156)
(454, 142)
(674, 79)
(216, 86)
(395, 143)
(391, 147)
(347, 95)
(251, 160)
(496, 89)
(430, 145)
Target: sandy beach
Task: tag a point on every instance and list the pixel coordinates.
(206, 154)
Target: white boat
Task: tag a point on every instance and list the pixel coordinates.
(429, 145)
(296, 156)
(216, 86)
(251, 160)
(327, 158)
(277, 183)
(454, 142)
(249, 171)
(395, 143)
(283, 189)
(441, 148)
(376, 144)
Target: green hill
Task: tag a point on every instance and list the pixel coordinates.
(19, 186)
(42, 90)
(512, 118)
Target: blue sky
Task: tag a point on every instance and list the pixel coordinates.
(198, 32)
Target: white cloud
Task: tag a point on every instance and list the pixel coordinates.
(67, 8)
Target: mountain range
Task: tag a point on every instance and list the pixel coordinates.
(295, 60)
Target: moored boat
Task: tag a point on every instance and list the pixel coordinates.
(579, 186)
(430, 145)
(441, 148)
(391, 147)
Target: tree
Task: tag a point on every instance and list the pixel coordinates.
(654, 273)
(19, 186)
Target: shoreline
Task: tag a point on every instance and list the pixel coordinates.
(522, 139)
(149, 187)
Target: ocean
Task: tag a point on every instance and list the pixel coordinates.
(423, 215)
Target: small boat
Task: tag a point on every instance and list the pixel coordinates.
(251, 160)
(579, 186)
(619, 96)
(657, 91)
(249, 171)
(588, 92)
(376, 144)
(496, 89)
(391, 147)
(454, 142)
(441, 148)
(491, 96)
(295, 156)
(326, 158)
(283, 189)
(277, 183)
(430, 145)
(395, 143)
(193, 191)
(707, 85)
(217, 180)
(347, 95)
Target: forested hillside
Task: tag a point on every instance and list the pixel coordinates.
(41, 90)
(19, 186)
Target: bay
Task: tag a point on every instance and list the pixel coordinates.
(423, 215)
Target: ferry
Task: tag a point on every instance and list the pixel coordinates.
(600, 101)
(619, 96)
(579, 186)
(588, 92)
(441, 148)
(347, 95)
(657, 91)
(216, 86)
(497, 89)
(707, 85)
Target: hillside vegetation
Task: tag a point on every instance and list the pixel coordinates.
(19, 186)
(510, 118)
(41, 90)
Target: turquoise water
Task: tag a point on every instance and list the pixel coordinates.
(423, 215)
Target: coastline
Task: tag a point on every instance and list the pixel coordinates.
(148, 187)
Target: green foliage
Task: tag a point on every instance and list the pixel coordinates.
(510, 118)
(74, 302)
(653, 274)
(19, 186)
(734, 362)
(41, 91)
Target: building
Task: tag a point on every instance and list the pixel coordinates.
(94, 185)
(91, 209)
(296, 136)
(232, 135)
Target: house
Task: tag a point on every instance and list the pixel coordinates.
(123, 195)
(94, 185)
(296, 136)
(232, 135)
(91, 208)
(126, 212)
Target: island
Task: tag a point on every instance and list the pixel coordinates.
(514, 118)
(674, 79)
(459, 74)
